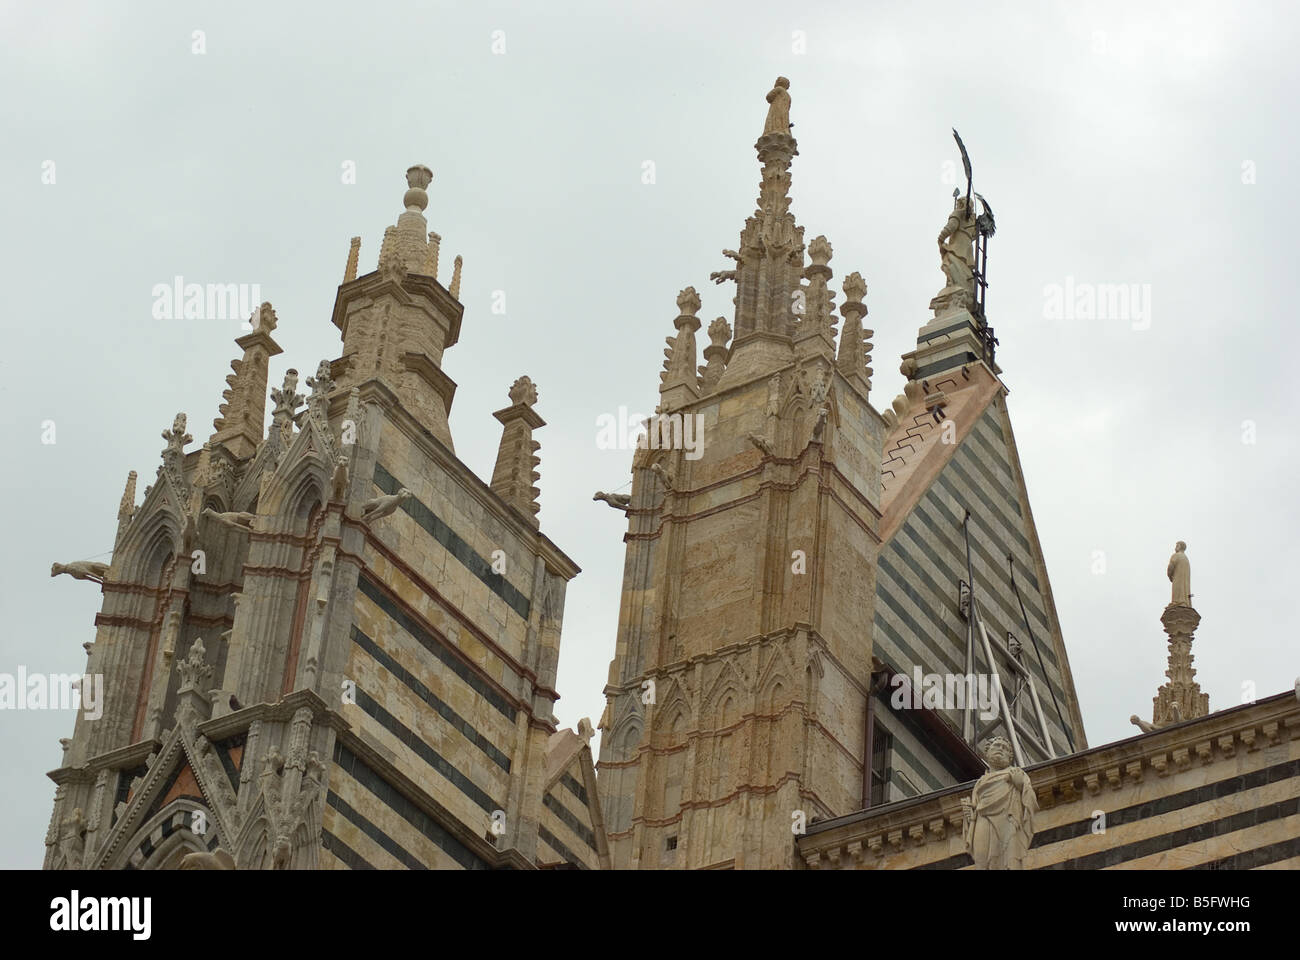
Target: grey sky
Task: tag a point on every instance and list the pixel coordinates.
(1112, 142)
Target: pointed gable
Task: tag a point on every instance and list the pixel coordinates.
(951, 450)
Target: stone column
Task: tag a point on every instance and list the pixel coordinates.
(1181, 697)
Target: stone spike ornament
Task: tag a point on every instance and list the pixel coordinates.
(454, 289)
(815, 329)
(239, 426)
(679, 383)
(430, 268)
(126, 508)
(515, 473)
(855, 347)
(354, 257)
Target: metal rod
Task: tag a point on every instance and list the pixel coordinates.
(1046, 679)
(1042, 719)
(1002, 696)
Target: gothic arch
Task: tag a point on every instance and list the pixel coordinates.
(157, 841)
(138, 557)
(774, 693)
(728, 709)
(626, 737)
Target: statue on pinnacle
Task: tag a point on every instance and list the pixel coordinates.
(778, 110)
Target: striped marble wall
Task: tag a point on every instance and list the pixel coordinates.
(917, 622)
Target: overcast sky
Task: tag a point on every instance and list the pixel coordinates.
(1117, 146)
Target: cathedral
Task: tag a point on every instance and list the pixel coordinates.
(328, 644)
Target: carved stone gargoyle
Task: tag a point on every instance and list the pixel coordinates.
(619, 501)
(81, 570)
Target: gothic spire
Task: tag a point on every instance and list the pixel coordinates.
(770, 262)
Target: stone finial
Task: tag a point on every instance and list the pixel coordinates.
(515, 473)
(194, 670)
(354, 257)
(819, 250)
(814, 329)
(454, 289)
(855, 346)
(266, 318)
(523, 391)
(322, 384)
(418, 179)
(679, 382)
(287, 398)
(430, 268)
(855, 289)
(176, 437)
(715, 355)
(688, 302)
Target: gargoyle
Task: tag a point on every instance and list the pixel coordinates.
(237, 520)
(619, 501)
(81, 570)
(380, 507)
(762, 443)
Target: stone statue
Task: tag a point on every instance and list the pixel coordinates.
(81, 570)
(380, 507)
(240, 521)
(216, 860)
(619, 501)
(1179, 572)
(957, 257)
(339, 482)
(778, 111)
(998, 819)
